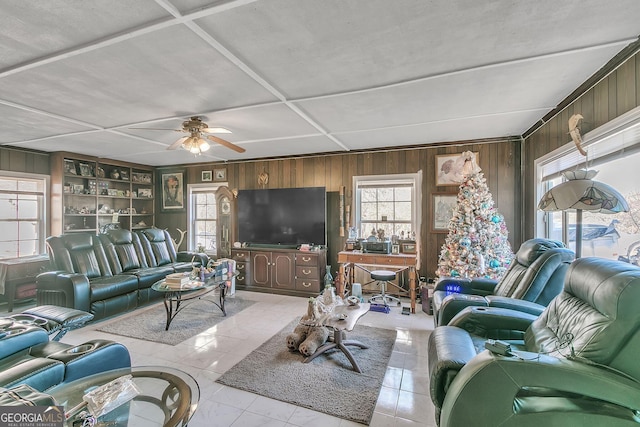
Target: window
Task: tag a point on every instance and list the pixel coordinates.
(202, 218)
(22, 214)
(614, 151)
(390, 202)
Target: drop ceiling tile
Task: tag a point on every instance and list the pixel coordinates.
(532, 85)
(170, 72)
(20, 125)
(34, 28)
(309, 48)
(464, 129)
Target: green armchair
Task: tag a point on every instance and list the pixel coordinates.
(576, 365)
(534, 278)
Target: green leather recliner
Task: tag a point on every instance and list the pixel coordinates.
(577, 364)
(536, 275)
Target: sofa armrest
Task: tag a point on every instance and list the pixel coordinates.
(492, 322)
(454, 303)
(197, 257)
(15, 337)
(64, 289)
(64, 318)
(84, 359)
(515, 304)
(534, 389)
(476, 286)
(450, 349)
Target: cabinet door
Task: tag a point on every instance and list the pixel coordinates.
(261, 268)
(282, 270)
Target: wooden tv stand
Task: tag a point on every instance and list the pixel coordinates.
(281, 271)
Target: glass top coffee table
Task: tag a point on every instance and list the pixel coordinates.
(168, 397)
(176, 297)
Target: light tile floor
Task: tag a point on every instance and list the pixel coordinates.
(404, 397)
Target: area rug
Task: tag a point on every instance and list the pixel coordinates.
(149, 324)
(327, 384)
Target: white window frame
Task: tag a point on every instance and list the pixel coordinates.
(44, 206)
(414, 179)
(615, 138)
(191, 188)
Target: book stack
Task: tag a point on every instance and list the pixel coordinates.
(176, 280)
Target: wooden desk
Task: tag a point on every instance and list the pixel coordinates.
(399, 262)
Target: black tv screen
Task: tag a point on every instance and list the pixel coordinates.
(282, 216)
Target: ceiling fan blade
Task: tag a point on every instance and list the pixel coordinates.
(178, 143)
(216, 130)
(226, 143)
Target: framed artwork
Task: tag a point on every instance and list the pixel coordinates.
(207, 176)
(442, 207)
(409, 248)
(219, 174)
(172, 191)
(85, 169)
(448, 171)
(70, 167)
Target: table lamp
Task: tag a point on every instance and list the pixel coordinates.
(580, 192)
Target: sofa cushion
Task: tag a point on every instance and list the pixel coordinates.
(108, 287)
(149, 275)
(158, 243)
(85, 262)
(596, 313)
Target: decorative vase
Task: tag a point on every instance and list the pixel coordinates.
(328, 278)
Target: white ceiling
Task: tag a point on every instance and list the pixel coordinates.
(292, 77)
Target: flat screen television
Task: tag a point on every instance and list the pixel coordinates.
(282, 216)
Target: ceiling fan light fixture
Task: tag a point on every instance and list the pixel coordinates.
(203, 144)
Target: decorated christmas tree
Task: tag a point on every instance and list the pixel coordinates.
(477, 244)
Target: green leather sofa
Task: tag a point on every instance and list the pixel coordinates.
(577, 364)
(110, 273)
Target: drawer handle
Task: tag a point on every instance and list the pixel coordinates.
(306, 285)
(306, 259)
(307, 272)
(240, 267)
(240, 278)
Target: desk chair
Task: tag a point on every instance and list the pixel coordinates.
(383, 277)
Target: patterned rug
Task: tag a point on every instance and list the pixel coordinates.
(149, 324)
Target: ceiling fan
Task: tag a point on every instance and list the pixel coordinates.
(199, 131)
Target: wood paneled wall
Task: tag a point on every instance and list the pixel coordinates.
(613, 96)
(500, 162)
(16, 160)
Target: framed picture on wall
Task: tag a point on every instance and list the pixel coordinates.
(442, 207)
(207, 176)
(449, 168)
(219, 174)
(173, 191)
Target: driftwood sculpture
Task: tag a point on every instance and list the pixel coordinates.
(574, 131)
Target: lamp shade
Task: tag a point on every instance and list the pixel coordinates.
(581, 192)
